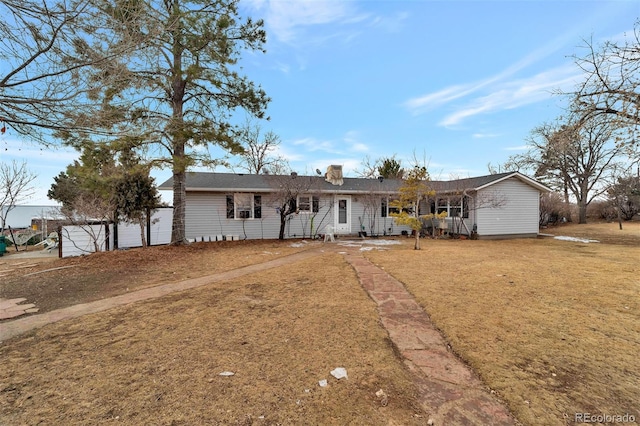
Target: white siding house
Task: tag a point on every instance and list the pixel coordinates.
(237, 206)
(517, 213)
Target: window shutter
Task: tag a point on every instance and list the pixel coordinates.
(257, 206)
(465, 206)
(230, 208)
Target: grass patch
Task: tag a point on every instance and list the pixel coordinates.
(552, 326)
(158, 362)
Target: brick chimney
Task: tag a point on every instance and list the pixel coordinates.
(334, 175)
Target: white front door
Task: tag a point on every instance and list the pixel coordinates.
(343, 214)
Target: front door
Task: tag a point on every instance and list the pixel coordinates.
(343, 214)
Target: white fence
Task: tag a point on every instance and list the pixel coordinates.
(157, 234)
(77, 240)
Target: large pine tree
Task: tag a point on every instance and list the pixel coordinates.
(177, 90)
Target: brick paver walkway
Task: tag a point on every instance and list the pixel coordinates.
(449, 390)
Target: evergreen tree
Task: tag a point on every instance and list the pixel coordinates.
(177, 91)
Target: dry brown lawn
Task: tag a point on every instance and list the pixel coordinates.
(552, 326)
(57, 283)
(159, 362)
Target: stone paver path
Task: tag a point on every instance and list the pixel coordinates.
(11, 308)
(450, 391)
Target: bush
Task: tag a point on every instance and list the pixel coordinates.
(554, 210)
(602, 210)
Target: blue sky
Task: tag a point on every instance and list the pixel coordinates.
(460, 82)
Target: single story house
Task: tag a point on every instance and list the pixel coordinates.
(245, 206)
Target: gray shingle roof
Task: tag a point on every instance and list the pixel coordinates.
(228, 182)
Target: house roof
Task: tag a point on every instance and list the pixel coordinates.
(230, 182)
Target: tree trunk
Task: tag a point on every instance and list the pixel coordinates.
(582, 212)
(143, 238)
(178, 90)
(283, 222)
(416, 211)
(567, 202)
(619, 213)
(179, 203)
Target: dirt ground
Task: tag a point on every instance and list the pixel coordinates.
(53, 283)
(552, 326)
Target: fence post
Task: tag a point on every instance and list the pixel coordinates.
(106, 236)
(59, 241)
(148, 227)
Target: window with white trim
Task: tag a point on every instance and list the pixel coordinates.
(465, 206)
(442, 205)
(308, 204)
(455, 206)
(392, 209)
(244, 206)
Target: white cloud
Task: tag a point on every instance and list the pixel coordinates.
(431, 101)
(499, 94)
(284, 68)
(517, 148)
(287, 154)
(392, 24)
(353, 141)
(350, 143)
(359, 147)
(312, 144)
(501, 91)
(286, 19)
(484, 135)
(515, 93)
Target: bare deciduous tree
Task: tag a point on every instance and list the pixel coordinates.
(40, 80)
(259, 151)
(611, 86)
(624, 194)
(575, 158)
(15, 187)
(90, 212)
(285, 192)
(553, 208)
(369, 168)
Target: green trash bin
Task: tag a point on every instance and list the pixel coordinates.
(3, 245)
